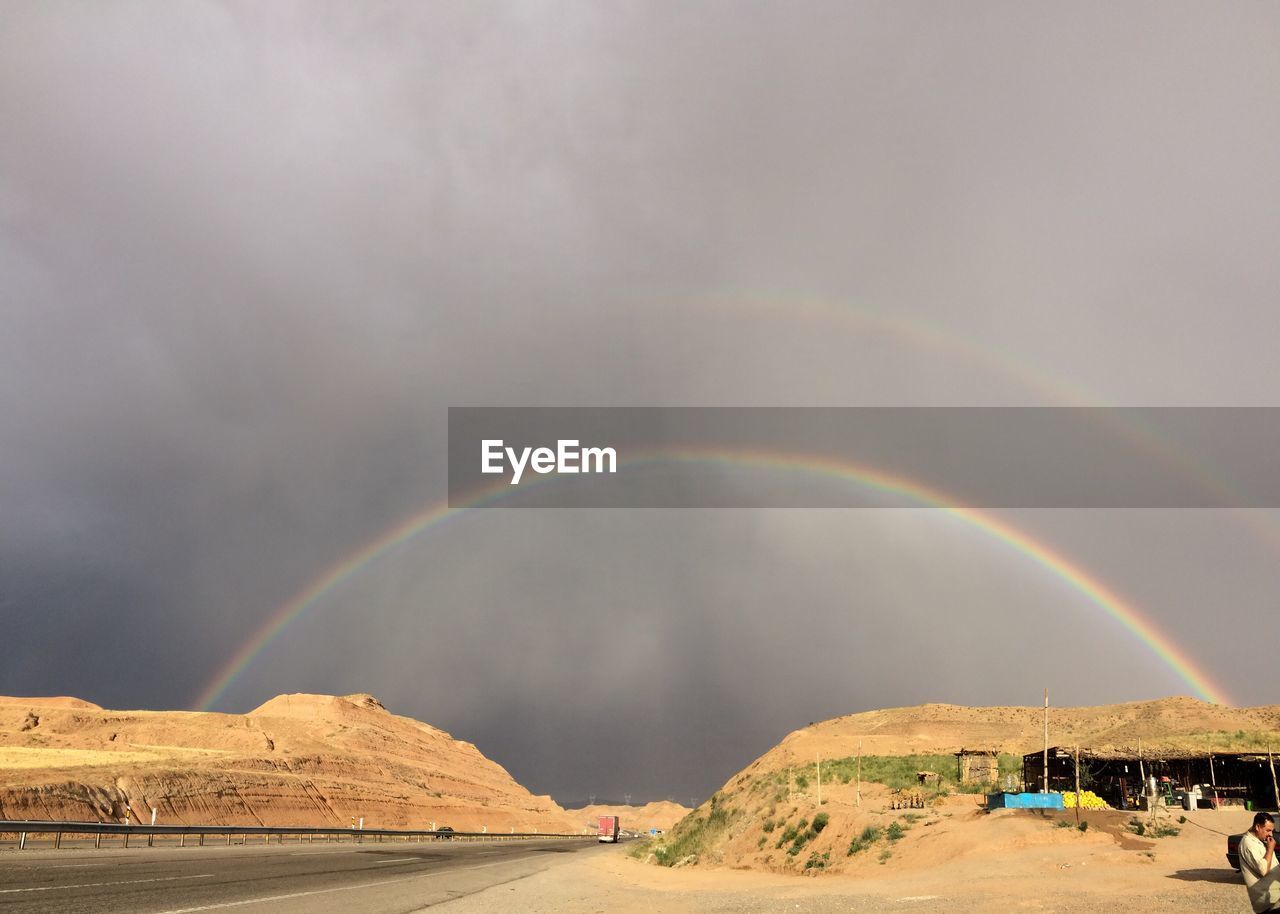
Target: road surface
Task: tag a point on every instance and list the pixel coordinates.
(372, 878)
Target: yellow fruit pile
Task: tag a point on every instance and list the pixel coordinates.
(1088, 800)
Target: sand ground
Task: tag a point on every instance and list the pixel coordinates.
(1009, 861)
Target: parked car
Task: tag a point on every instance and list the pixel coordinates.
(1233, 844)
(445, 832)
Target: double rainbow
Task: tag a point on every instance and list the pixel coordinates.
(1142, 628)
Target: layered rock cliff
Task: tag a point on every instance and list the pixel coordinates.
(296, 760)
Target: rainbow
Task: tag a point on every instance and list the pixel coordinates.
(995, 364)
(1020, 542)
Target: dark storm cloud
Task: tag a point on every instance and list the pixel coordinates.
(249, 255)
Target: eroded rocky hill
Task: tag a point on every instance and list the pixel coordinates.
(296, 760)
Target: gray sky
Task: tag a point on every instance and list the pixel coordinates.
(250, 254)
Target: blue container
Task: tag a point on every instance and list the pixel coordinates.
(1024, 801)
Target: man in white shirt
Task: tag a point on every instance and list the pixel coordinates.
(1258, 865)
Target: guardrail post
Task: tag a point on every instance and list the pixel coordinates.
(126, 839)
(97, 841)
(182, 840)
(151, 840)
(57, 840)
(22, 841)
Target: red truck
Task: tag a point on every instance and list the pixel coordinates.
(608, 829)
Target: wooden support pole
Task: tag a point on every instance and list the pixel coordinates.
(1077, 786)
(1271, 762)
(1044, 788)
(1213, 781)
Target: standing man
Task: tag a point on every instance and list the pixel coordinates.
(1258, 865)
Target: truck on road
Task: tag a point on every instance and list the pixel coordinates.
(608, 829)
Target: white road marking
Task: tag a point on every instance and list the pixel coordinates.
(94, 885)
(344, 888)
(398, 860)
(71, 866)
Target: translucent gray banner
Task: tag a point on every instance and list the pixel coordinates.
(993, 457)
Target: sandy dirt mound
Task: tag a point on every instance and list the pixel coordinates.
(1008, 862)
(296, 760)
(767, 816)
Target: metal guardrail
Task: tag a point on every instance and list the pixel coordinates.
(23, 828)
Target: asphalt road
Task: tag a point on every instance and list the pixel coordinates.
(372, 878)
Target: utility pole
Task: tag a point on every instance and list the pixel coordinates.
(1044, 788)
(858, 795)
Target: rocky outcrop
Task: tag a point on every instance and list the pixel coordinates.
(296, 760)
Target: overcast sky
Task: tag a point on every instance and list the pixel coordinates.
(250, 253)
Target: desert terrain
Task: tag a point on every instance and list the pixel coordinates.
(295, 760)
(661, 814)
(301, 759)
(799, 808)
(960, 860)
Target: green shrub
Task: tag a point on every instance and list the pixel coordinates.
(1083, 826)
(800, 841)
(694, 834)
(640, 849)
(820, 822)
(769, 825)
(870, 835)
(895, 831)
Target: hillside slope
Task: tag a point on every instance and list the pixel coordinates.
(766, 816)
(661, 814)
(296, 760)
